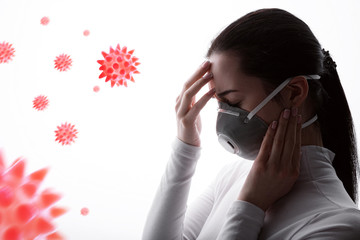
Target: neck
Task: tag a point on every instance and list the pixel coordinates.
(311, 135)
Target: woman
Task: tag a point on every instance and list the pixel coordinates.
(282, 105)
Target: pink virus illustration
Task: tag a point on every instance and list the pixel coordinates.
(6, 52)
(66, 134)
(84, 211)
(119, 66)
(40, 102)
(45, 21)
(63, 62)
(25, 211)
(96, 89)
(86, 33)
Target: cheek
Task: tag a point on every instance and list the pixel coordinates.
(271, 112)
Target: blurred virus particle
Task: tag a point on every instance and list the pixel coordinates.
(86, 33)
(25, 211)
(45, 21)
(66, 134)
(119, 66)
(96, 89)
(63, 62)
(6, 52)
(40, 102)
(84, 211)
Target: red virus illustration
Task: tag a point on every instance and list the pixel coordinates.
(86, 33)
(25, 211)
(66, 134)
(84, 211)
(45, 21)
(96, 89)
(40, 102)
(119, 66)
(6, 52)
(63, 62)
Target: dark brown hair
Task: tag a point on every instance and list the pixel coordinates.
(273, 44)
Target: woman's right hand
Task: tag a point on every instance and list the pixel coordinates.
(187, 110)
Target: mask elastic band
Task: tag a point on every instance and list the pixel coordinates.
(271, 95)
(311, 121)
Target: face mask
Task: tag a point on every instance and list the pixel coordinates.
(241, 132)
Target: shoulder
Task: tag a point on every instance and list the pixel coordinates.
(341, 223)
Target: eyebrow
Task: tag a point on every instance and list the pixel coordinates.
(222, 94)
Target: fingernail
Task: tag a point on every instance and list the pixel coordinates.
(274, 124)
(205, 64)
(299, 119)
(286, 114)
(294, 111)
(207, 76)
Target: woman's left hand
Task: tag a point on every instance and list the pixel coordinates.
(277, 165)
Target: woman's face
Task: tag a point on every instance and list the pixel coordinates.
(239, 90)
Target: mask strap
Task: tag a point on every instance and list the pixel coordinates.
(271, 95)
(311, 121)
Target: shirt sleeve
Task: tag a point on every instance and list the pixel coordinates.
(165, 219)
(243, 221)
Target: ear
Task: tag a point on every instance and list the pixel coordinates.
(297, 91)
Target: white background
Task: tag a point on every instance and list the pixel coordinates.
(125, 134)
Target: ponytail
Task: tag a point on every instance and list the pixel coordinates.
(337, 127)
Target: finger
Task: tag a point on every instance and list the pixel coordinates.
(197, 74)
(290, 140)
(189, 95)
(296, 155)
(277, 146)
(195, 110)
(265, 148)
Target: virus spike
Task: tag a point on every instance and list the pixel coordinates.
(29, 189)
(17, 168)
(44, 226)
(126, 64)
(137, 64)
(57, 211)
(117, 52)
(125, 84)
(107, 78)
(101, 62)
(124, 49)
(108, 59)
(102, 68)
(121, 81)
(112, 83)
(127, 76)
(132, 79)
(128, 56)
(119, 59)
(136, 71)
(132, 68)
(54, 236)
(48, 198)
(12, 233)
(131, 51)
(102, 75)
(111, 50)
(134, 59)
(39, 175)
(25, 213)
(116, 66)
(114, 76)
(104, 54)
(118, 46)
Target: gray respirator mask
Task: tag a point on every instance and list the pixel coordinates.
(241, 132)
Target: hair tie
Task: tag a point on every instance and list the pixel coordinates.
(328, 61)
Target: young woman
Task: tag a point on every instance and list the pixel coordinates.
(282, 105)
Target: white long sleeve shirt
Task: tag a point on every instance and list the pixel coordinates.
(317, 207)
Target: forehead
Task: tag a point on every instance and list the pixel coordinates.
(227, 74)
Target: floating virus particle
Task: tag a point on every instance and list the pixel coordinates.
(96, 89)
(119, 66)
(84, 211)
(86, 33)
(63, 62)
(45, 21)
(40, 102)
(6, 52)
(66, 134)
(25, 211)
